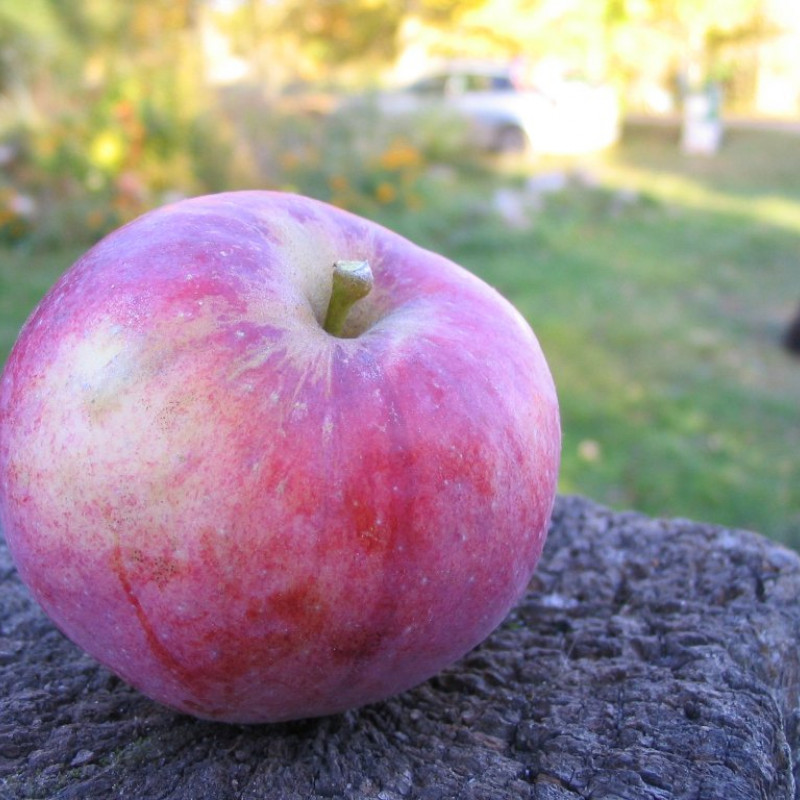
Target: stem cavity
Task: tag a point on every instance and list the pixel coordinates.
(352, 280)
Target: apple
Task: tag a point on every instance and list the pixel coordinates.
(265, 459)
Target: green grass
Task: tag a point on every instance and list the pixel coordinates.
(662, 323)
(25, 275)
(659, 296)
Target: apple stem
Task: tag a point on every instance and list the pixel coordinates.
(352, 280)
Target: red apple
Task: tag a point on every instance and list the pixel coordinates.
(246, 515)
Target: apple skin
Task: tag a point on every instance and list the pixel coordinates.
(245, 517)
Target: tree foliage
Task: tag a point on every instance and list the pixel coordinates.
(338, 31)
(58, 48)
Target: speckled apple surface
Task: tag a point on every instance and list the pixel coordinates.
(248, 518)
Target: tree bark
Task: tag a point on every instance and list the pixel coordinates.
(649, 659)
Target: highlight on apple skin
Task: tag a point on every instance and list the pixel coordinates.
(250, 517)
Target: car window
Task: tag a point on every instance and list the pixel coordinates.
(486, 83)
(476, 83)
(430, 86)
(502, 83)
(458, 83)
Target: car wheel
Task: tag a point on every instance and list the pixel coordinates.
(510, 139)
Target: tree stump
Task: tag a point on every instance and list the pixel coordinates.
(791, 338)
(649, 659)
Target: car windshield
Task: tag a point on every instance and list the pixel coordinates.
(460, 82)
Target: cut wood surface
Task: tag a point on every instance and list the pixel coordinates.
(649, 659)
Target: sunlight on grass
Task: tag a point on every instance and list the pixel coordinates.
(661, 320)
(774, 210)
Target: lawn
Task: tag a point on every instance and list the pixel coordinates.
(660, 298)
(659, 286)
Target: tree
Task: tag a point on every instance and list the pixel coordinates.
(347, 31)
(36, 45)
(704, 30)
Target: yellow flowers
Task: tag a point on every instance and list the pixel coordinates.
(107, 150)
(397, 174)
(400, 155)
(385, 193)
(125, 153)
(390, 177)
(339, 184)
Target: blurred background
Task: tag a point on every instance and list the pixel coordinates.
(627, 172)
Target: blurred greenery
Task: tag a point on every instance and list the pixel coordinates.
(107, 109)
(659, 286)
(658, 283)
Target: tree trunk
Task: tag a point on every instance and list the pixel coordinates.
(649, 659)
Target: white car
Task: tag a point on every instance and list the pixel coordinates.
(506, 116)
